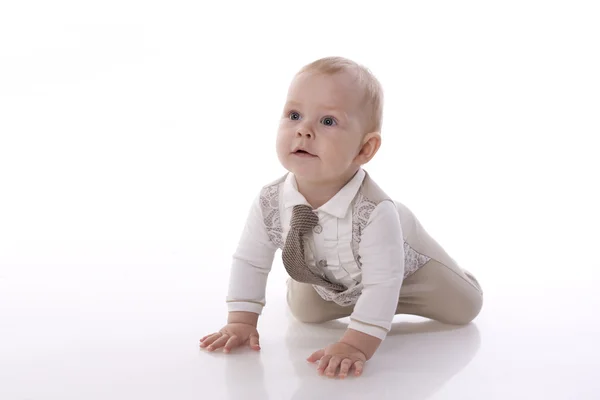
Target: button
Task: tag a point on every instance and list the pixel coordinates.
(323, 263)
(318, 229)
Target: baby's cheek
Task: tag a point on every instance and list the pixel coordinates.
(345, 152)
(282, 142)
(339, 159)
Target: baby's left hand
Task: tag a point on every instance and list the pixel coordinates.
(338, 355)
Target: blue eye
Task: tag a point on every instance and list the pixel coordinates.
(328, 121)
(294, 116)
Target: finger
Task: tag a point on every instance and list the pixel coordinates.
(358, 368)
(334, 363)
(219, 342)
(210, 339)
(204, 338)
(345, 367)
(231, 343)
(323, 364)
(316, 356)
(254, 342)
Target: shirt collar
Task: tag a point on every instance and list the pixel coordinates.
(337, 206)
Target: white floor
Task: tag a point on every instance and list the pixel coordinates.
(121, 320)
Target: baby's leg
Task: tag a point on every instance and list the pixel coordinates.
(444, 293)
(307, 306)
(447, 294)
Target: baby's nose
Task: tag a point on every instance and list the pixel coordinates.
(304, 133)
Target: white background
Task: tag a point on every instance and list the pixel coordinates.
(134, 136)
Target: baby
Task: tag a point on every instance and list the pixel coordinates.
(349, 249)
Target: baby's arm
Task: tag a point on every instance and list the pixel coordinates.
(382, 256)
(250, 268)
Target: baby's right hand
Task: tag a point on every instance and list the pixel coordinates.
(231, 336)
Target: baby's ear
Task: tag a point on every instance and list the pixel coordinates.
(370, 145)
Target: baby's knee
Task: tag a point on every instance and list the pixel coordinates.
(301, 306)
(464, 308)
(306, 314)
(460, 296)
(307, 306)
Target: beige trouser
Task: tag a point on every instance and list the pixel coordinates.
(447, 294)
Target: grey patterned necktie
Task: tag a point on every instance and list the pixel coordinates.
(303, 220)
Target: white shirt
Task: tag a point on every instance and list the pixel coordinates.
(381, 253)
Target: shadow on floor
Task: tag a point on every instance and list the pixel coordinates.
(414, 362)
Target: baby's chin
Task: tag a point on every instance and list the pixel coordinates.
(306, 171)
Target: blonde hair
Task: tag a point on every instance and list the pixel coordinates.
(368, 83)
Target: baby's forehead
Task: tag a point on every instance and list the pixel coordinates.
(313, 87)
(340, 78)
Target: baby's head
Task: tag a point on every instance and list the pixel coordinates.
(331, 121)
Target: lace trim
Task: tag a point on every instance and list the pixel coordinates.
(361, 212)
(413, 260)
(345, 298)
(269, 204)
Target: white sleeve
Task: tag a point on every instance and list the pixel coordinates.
(252, 262)
(382, 255)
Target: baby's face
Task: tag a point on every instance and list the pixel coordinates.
(321, 128)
